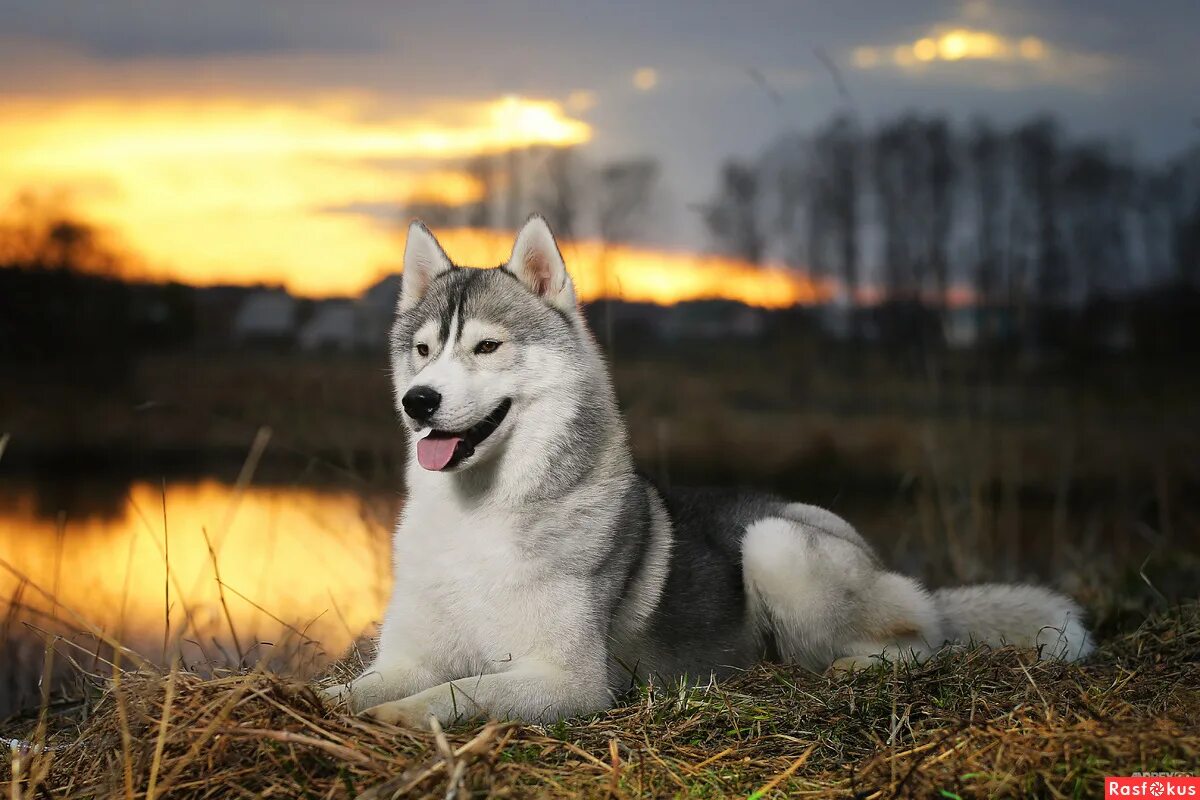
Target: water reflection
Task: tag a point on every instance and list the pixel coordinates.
(144, 571)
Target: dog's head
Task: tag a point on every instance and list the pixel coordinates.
(475, 349)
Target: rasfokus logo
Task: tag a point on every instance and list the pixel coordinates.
(1153, 786)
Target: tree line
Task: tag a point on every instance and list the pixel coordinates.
(917, 208)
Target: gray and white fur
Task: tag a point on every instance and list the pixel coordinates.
(538, 575)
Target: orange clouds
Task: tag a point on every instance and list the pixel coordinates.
(230, 191)
(208, 190)
(954, 44)
(640, 274)
(1026, 58)
(225, 190)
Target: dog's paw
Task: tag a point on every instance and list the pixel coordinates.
(337, 695)
(400, 713)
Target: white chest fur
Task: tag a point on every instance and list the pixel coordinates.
(470, 596)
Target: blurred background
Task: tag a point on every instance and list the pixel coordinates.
(933, 265)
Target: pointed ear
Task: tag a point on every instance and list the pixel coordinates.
(538, 264)
(424, 260)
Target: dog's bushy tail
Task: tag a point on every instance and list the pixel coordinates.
(1016, 614)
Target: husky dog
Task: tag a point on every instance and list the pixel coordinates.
(538, 575)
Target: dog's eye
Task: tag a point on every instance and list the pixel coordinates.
(487, 346)
(422, 350)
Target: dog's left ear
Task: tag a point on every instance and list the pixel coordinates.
(424, 260)
(538, 264)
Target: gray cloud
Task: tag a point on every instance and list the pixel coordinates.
(131, 29)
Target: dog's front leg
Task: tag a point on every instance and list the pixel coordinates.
(380, 683)
(532, 691)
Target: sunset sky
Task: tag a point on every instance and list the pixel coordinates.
(279, 141)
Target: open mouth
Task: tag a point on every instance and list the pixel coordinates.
(441, 450)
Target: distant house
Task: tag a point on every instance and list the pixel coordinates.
(384, 293)
(266, 318)
(333, 327)
(965, 327)
(713, 319)
(346, 325)
(377, 310)
(628, 321)
(835, 319)
(1115, 334)
(841, 320)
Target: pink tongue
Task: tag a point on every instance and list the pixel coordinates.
(435, 453)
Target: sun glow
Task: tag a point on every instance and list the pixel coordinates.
(950, 48)
(947, 43)
(639, 274)
(210, 190)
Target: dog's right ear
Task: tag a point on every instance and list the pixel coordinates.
(424, 260)
(537, 263)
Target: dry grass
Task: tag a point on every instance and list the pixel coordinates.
(969, 723)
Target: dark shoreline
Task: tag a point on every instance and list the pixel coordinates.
(821, 480)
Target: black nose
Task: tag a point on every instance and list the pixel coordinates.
(421, 401)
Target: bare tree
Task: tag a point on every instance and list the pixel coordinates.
(942, 177)
(514, 180)
(733, 218)
(785, 192)
(41, 234)
(986, 155)
(484, 170)
(563, 190)
(834, 232)
(1036, 148)
(1183, 211)
(626, 197)
(892, 198)
(1095, 196)
(902, 176)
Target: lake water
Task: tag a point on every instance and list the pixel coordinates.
(304, 572)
